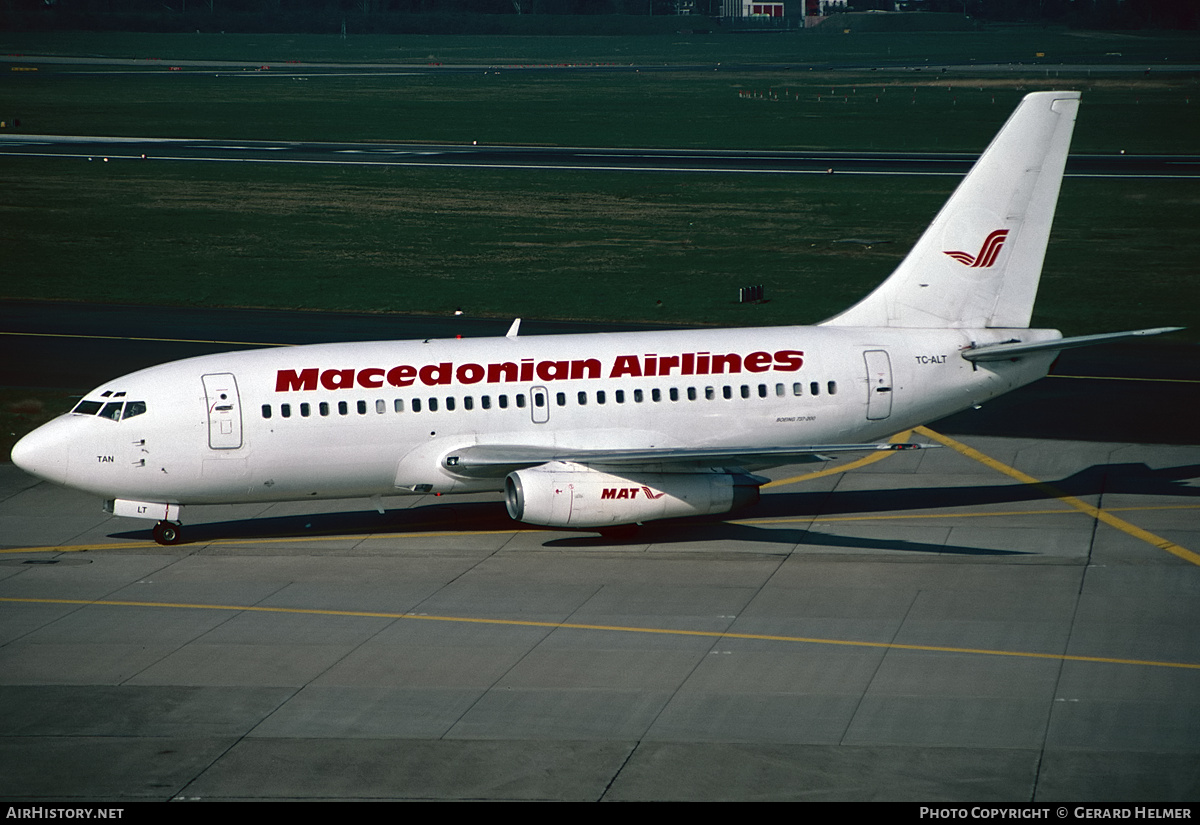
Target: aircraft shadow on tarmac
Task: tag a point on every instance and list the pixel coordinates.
(1087, 410)
(449, 518)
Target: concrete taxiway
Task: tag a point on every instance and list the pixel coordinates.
(1003, 619)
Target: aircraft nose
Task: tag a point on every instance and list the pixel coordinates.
(44, 452)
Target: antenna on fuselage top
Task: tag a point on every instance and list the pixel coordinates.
(512, 331)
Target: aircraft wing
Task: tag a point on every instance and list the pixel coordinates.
(495, 460)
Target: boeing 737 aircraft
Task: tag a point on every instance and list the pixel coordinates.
(602, 430)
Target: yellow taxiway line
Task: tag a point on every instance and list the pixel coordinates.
(1052, 492)
(1073, 503)
(842, 468)
(712, 634)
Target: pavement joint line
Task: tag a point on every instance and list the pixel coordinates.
(1053, 492)
(712, 634)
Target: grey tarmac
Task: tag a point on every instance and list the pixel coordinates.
(924, 628)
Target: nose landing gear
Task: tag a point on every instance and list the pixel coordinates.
(168, 532)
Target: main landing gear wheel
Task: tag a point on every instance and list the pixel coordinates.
(168, 532)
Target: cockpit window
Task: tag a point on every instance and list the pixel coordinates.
(112, 410)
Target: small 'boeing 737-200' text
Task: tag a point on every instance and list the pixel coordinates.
(601, 430)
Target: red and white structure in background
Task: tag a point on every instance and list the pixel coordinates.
(747, 8)
(766, 9)
(811, 11)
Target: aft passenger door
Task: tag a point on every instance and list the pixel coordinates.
(879, 384)
(224, 411)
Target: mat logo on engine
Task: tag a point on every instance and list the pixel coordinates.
(629, 492)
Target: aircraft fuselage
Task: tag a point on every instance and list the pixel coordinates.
(367, 419)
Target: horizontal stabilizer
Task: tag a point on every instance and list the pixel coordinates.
(494, 460)
(1005, 352)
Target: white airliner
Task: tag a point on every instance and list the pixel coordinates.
(602, 430)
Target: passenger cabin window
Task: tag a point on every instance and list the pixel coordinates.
(285, 410)
(266, 409)
(323, 408)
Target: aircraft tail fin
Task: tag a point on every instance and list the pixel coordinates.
(979, 262)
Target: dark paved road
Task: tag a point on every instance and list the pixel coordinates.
(539, 157)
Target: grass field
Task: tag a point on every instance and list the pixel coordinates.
(620, 246)
(735, 110)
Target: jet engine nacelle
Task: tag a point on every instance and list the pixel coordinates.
(570, 495)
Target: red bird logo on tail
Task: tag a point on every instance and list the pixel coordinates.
(987, 253)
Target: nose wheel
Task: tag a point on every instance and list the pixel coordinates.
(168, 532)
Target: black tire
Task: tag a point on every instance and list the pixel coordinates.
(166, 532)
